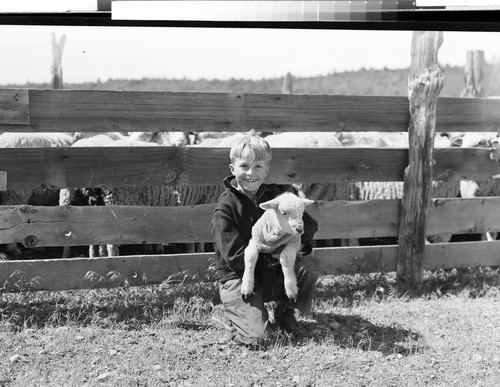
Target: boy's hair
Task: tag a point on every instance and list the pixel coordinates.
(254, 145)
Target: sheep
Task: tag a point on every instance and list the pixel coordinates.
(279, 228)
(471, 188)
(45, 195)
(225, 140)
(179, 195)
(357, 190)
(304, 140)
(162, 138)
(35, 140)
(83, 135)
(95, 196)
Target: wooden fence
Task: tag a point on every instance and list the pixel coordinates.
(102, 111)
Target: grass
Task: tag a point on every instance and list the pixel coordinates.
(362, 333)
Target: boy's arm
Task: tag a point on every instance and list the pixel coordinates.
(228, 240)
(310, 228)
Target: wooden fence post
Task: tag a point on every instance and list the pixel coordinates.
(57, 50)
(474, 71)
(425, 82)
(287, 87)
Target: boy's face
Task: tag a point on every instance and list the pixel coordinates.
(249, 173)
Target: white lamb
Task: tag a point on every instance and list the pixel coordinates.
(280, 227)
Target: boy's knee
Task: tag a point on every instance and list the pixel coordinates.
(306, 271)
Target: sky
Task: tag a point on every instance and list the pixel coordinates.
(102, 53)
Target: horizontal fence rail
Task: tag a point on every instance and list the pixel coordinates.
(70, 226)
(26, 110)
(154, 166)
(89, 273)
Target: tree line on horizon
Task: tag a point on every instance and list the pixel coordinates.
(384, 82)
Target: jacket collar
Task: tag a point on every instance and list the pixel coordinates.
(228, 183)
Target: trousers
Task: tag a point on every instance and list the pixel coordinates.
(249, 316)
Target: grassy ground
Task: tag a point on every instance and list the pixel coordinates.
(361, 333)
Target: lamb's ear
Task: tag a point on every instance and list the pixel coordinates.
(307, 202)
(269, 204)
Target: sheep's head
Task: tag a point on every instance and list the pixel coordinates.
(289, 209)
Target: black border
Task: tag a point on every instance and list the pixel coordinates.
(408, 19)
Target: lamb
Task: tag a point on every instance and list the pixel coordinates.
(280, 227)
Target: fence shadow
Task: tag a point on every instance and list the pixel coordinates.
(190, 306)
(349, 290)
(355, 332)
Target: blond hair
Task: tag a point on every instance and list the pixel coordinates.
(253, 145)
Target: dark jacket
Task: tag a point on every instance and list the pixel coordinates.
(231, 228)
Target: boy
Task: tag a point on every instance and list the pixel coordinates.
(236, 212)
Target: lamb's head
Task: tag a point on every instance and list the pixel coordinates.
(289, 209)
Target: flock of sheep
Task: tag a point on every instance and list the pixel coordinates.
(191, 195)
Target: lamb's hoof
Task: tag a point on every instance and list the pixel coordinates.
(246, 289)
(292, 293)
(246, 296)
(292, 299)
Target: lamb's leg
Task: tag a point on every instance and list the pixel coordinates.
(12, 249)
(93, 251)
(153, 248)
(103, 252)
(248, 281)
(66, 252)
(287, 260)
(112, 250)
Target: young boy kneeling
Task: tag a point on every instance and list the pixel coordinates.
(236, 212)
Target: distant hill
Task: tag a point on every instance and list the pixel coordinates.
(362, 82)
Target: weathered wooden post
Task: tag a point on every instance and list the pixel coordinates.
(57, 50)
(287, 87)
(425, 82)
(474, 71)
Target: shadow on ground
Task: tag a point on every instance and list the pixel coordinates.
(353, 331)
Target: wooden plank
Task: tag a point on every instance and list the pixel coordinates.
(464, 216)
(464, 164)
(104, 110)
(426, 80)
(107, 110)
(140, 166)
(467, 115)
(461, 255)
(69, 274)
(3, 181)
(14, 108)
(66, 274)
(354, 260)
(91, 167)
(71, 226)
(63, 226)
